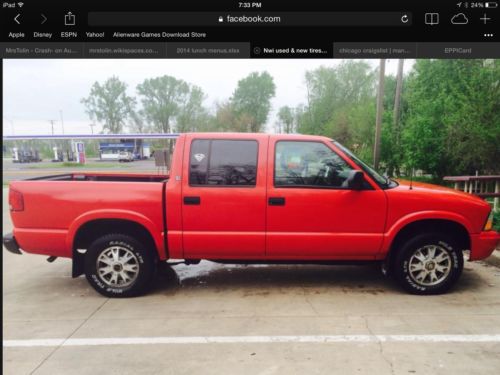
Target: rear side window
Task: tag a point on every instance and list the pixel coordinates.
(223, 162)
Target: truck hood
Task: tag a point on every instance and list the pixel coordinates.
(437, 191)
(436, 202)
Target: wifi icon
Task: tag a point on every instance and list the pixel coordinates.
(20, 5)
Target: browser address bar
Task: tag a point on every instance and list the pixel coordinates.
(341, 19)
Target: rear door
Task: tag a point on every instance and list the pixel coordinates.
(224, 196)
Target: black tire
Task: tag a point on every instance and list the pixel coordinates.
(140, 268)
(414, 272)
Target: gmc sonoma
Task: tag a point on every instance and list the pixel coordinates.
(249, 198)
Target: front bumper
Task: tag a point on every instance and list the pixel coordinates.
(10, 243)
(483, 244)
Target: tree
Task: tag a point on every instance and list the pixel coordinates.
(161, 100)
(251, 101)
(110, 104)
(138, 123)
(286, 120)
(227, 119)
(453, 119)
(390, 151)
(192, 116)
(341, 105)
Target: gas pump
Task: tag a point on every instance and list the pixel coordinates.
(79, 148)
(58, 155)
(15, 155)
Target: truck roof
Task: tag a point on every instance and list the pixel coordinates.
(233, 135)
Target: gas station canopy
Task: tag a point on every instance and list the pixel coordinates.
(93, 136)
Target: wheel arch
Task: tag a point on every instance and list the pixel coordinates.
(90, 230)
(457, 229)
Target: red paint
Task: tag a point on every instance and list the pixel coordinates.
(237, 222)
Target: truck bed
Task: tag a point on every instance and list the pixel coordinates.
(95, 176)
(56, 206)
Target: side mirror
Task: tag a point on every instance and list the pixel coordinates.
(355, 180)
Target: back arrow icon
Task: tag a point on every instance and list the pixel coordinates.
(16, 19)
(44, 19)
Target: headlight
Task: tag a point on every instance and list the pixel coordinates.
(489, 222)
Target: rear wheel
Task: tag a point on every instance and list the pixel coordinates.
(118, 265)
(429, 264)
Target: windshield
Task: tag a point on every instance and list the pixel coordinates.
(381, 180)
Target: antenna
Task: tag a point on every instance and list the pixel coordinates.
(411, 179)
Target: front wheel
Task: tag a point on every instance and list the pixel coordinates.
(429, 264)
(118, 265)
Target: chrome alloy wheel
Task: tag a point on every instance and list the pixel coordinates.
(117, 266)
(430, 265)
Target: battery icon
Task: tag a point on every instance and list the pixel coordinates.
(491, 4)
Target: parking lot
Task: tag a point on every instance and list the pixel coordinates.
(21, 171)
(215, 319)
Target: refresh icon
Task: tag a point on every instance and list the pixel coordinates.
(405, 18)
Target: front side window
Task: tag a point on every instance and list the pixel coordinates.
(223, 162)
(309, 164)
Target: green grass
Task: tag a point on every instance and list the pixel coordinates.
(89, 165)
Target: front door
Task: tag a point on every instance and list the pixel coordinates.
(224, 203)
(311, 213)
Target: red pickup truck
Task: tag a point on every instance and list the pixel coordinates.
(249, 198)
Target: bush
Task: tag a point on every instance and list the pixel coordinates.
(496, 221)
(429, 180)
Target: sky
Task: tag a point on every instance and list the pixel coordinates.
(36, 91)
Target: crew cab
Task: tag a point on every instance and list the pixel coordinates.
(250, 198)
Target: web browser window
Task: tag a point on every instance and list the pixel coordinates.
(186, 139)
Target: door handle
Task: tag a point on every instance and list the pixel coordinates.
(277, 201)
(192, 201)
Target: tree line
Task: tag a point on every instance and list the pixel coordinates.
(449, 115)
(169, 105)
(449, 112)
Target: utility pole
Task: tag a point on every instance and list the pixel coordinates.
(397, 105)
(62, 121)
(52, 125)
(380, 110)
(93, 141)
(64, 143)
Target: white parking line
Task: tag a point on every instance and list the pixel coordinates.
(252, 339)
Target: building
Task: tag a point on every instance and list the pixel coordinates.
(111, 150)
